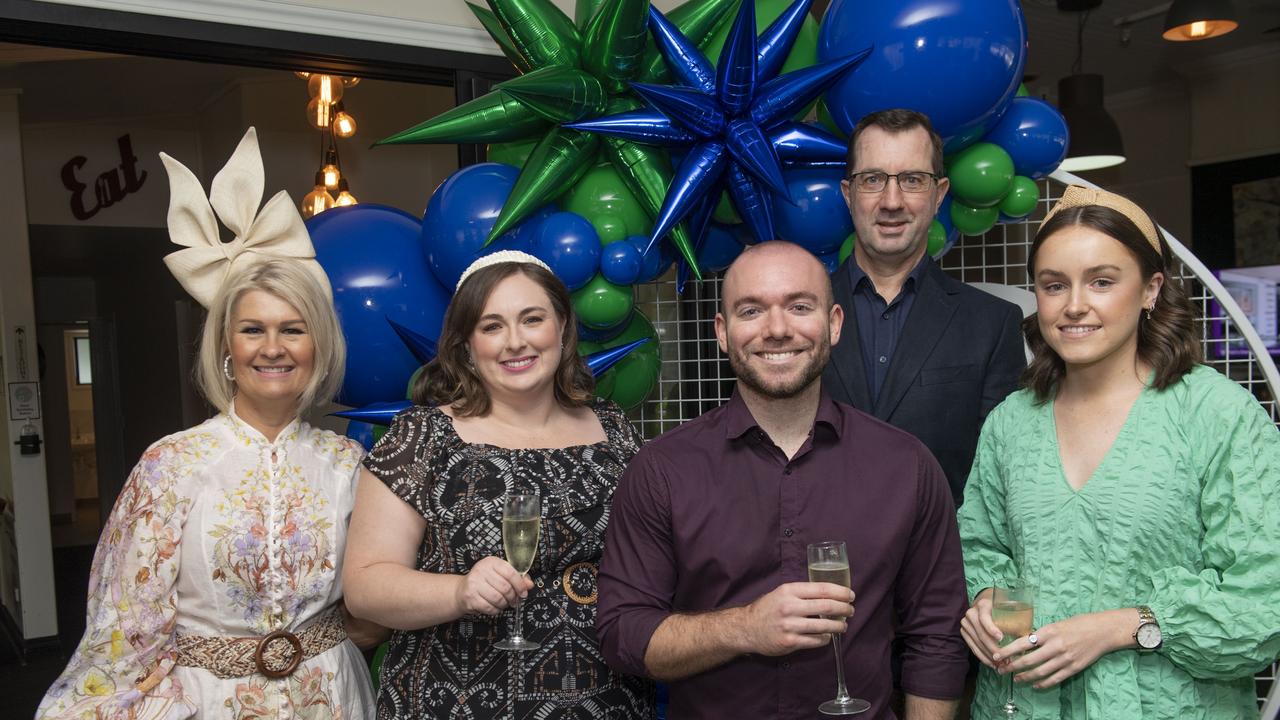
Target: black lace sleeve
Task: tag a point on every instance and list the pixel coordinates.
(401, 458)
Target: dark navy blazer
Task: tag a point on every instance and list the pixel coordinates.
(959, 355)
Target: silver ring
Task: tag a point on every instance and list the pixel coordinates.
(1033, 639)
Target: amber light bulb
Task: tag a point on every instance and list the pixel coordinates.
(344, 126)
(318, 200)
(325, 88)
(330, 172)
(345, 197)
(319, 114)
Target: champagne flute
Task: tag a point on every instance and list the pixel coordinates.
(521, 525)
(1012, 610)
(829, 563)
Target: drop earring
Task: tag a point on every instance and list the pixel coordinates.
(226, 368)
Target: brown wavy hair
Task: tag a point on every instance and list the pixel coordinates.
(1168, 341)
(450, 379)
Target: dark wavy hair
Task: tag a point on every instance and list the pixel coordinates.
(450, 379)
(894, 121)
(1168, 341)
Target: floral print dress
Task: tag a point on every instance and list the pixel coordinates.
(219, 532)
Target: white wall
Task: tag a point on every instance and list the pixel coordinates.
(401, 176)
(22, 480)
(1224, 109)
(442, 24)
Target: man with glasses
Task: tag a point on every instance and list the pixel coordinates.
(921, 350)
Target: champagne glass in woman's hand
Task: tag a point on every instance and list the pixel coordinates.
(521, 525)
(1012, 610)
(829, 563)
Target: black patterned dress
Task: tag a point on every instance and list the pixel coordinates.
(453, 670)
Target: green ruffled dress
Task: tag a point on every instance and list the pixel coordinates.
(1182, 515)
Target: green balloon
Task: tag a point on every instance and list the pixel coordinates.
(604, 381)
(511, 153)
(637, 373)
(846, 247)
(803, 54)
(1021, 198)
(828, 122)
(600, 304)
(1022, 90)
(971, 220)
(604, 199)
(937, 238)
(980, 174)
(725, 212)
(557, 162)
(413, 380)
(375, 667)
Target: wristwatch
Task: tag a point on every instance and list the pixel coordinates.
(1148, 634)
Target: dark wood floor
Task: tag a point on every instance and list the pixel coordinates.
(22, 684)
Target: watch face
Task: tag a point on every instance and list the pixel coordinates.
(1149, 636)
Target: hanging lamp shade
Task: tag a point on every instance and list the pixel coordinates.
(1093, 137)
(1199, 19)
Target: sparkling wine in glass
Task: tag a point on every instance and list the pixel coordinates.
(829, 563)
(521, 525)
(1012, 610)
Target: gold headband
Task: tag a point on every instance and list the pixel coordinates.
(1077, 196)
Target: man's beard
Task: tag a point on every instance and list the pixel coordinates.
(780, 389)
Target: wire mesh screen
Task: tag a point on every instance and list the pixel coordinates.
(696, 377)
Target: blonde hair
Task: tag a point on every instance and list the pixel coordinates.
(289, 281)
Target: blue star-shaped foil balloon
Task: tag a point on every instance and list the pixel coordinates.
(735, 119)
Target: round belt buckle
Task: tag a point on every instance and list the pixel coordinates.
(571, 573)
(294, 661)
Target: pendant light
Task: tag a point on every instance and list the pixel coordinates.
(1093, 138)
(1199, 20)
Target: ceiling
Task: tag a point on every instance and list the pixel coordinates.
(1145, 60)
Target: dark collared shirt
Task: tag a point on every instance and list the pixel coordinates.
(713, 515)
(880, 323)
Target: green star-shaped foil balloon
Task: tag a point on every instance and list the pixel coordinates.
(571, 72)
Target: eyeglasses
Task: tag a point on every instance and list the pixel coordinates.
(915, 181)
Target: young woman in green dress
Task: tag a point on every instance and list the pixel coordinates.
(1137, 489)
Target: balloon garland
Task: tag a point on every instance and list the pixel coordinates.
(634, 139)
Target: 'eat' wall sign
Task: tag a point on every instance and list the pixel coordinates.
(110, 187)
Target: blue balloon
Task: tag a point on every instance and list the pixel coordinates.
(601, 335)
(728, 117)
(719, 248)
(570, 244)
(373, 256)
(460, 215)
(830, 260)
(960, 63)
(621, 263)
(361, 432)
(819, 220)
(656, 261)
(944, 217)
(1034, 134)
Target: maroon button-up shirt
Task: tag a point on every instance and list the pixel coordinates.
(713, 515)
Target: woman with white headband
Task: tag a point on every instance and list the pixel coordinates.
(505, 408)
(215, 589)
(1135, 490)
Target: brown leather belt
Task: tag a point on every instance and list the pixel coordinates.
(275, 655)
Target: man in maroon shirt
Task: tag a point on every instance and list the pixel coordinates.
(703, 583)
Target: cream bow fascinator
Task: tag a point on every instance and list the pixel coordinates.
(236, 191)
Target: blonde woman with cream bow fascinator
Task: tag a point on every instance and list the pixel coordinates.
(216, 586)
